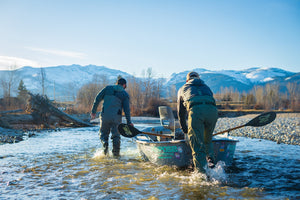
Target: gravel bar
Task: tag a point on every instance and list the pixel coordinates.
(284, 129)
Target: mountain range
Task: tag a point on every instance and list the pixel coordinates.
(240, 80)
(64, 81)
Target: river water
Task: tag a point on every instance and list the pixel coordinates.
(69, 164)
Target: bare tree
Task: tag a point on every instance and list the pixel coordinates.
(249, 100)
(88, 92)
(136, 95)
(147, 84)
(272, 96)
(100, 79)
(86, 96)
(157, 88)
(43, 79)
(9, 82)
(258, 92)
(229, 94)
(173, 93)
(4, 84)
(71, 91)
(294, 91)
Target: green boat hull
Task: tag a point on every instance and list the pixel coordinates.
(178, 152)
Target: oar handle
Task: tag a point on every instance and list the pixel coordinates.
(155, 134)
(229, 130)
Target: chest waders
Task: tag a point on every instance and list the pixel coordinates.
(110, 118)
(202, 119)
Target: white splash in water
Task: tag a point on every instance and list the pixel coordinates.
(193, 178)
(217, 173)
(99, 154)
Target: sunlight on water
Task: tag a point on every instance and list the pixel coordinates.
(71, 165)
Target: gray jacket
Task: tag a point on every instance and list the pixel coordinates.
(115, 99)
(194, 92)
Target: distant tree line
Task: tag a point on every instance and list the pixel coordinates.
(266, 97)
(146, 94)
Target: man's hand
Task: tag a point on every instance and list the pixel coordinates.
(131, 124)
(93, 115)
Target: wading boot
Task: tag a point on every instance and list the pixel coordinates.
(210, 162)
(116, 152)
(116, 149)
(105, 148)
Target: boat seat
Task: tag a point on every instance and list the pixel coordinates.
(167, 118)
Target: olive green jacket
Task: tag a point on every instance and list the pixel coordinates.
(193, 92)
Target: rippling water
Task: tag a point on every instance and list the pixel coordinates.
(69, 165)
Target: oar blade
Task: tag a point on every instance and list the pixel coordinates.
(127, 130)
(262, 119)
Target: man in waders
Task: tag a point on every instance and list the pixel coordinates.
(115, 98)
(195, 99)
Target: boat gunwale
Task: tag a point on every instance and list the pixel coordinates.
(180, 141)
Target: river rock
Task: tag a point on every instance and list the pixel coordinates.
(284, 129)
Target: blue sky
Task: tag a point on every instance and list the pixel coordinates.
(165, 35)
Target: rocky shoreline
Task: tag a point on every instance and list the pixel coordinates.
(10, 135)
(284, 129)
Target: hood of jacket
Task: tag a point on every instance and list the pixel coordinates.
(118, 88)
(195, 82)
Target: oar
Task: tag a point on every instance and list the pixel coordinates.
(261, 120)
(130, 131)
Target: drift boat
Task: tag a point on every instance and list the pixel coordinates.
(167, 145)
(177, 152)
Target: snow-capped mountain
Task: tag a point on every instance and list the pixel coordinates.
(242, 80)
(62, 75)
(63, 81)
(66, 80)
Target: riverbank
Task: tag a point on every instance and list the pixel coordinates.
(284, 129)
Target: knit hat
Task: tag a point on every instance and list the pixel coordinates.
(192, 75)
(121, 81)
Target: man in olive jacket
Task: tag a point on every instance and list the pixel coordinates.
(195, 99)
(115, 98)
